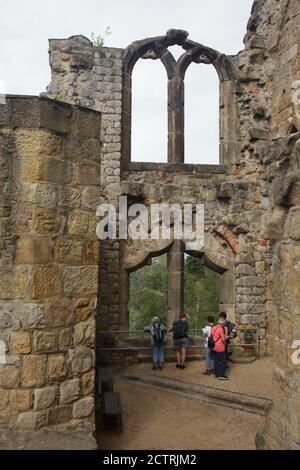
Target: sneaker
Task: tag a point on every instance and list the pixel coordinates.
(178, 366)
(224, 378)
(182, 367)
(160, 366)
(154, 367)
(206, 372)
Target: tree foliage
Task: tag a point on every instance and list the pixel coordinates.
(148, 292)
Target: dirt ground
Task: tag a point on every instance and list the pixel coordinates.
(162, 420)
(254, 378)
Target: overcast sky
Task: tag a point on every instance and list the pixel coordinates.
(26, 25)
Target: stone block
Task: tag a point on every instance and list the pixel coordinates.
(69, 391)
(20, 226)
(293, 223)
(87, 122)
(83, 408)
(273, 224)
(69, 197)
(46, 221)
(37, 142)
(251, 281)
(59, 312)
(92, 252)
(87, 149)
(78, 222)
(82, 280)
(33, 250)
(88, 174)
(44, 341)
(245, 269)
(21, 399)
(81, 359)
(4, 399)
(30, 420)
(41, 168)
(44, 397)
(9, 376)
(45, 282)
(56, 171)
(21, 342)
(250, 319)
(46, 195)
(84, 333)
(17, 315)
(83, 309)
(68, 251)
(65, 339)
(260, 267)
(14, 282)
(88, 383)
(34, 369)
(56, 367)
(60, 414)
(91, 198)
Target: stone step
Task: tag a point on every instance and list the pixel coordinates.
(242, 401)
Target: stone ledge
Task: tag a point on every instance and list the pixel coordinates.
(177, 167)
(34, 112)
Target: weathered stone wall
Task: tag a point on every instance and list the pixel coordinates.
(51, 185)
(50, 167)
(234, 201)
(282, 164)
(273, 29)
(93, 78)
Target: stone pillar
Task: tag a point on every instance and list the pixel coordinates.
(176, 120)
(175, 281)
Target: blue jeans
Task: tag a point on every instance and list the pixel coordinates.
(220, 363)
(158, 353)
(209, 358)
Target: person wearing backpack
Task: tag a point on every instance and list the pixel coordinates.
(157, 331)
(208, 351)
(217, 342)
(181, 340)
(230, 333)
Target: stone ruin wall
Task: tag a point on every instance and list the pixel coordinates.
(232, 196)
(252, 218)
(50, 165)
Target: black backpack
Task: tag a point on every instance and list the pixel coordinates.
(180, 329)
(211, 342)
(157, 334)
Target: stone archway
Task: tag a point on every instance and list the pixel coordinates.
(217, 254)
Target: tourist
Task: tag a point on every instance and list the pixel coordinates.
(230, 330)
(157, 331)
(181, 340)
(219, 339)
(208, 352)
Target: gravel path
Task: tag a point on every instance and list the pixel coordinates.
(155, 419)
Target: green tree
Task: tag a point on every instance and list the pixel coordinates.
(148, 292)
(201, 292)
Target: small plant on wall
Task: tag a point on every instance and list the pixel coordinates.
(98, 41)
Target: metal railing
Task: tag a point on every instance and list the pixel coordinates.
(253, 334)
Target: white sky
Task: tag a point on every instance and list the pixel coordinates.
(26, 25)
